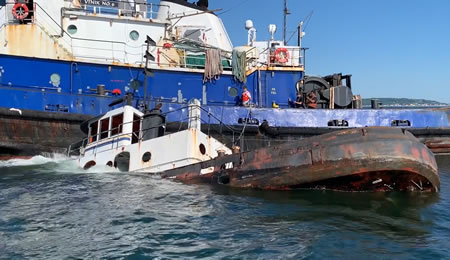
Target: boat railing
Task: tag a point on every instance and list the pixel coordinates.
(120, 8)
(106, 50)
(119, 51)
(286, 57)
(185, 58)
(293, 58)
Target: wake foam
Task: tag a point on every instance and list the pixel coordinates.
(53, 163)
(34, 161)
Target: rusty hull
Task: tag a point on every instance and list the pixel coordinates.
(26, 133)
(365, 159)
(437, 145)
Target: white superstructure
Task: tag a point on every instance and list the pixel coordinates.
(106, 31)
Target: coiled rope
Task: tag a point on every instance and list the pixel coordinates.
(213, 65)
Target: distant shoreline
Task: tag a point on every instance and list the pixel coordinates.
(404, 103)
(408, 107)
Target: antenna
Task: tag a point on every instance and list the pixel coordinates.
(286, 12)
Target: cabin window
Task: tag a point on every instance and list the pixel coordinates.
(94, 132)
(136, 128)
(72, 29)
(104, 128)
(117, 124)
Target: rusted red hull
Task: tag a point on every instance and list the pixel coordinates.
(25, 133)
(367, 159)
(438, 145)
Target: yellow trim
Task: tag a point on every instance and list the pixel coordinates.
(272, 68)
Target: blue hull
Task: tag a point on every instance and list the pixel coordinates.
(25, 83)
(319, 117)
(78, 82)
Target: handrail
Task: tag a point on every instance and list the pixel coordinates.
(65, 33)
(38, 5)
(83, 8)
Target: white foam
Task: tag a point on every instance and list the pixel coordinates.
(55, 163)
(36, 160)
(100, 169)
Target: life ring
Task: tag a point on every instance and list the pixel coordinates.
(20, 11)
(282, 55)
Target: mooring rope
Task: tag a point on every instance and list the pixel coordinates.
(213, 65)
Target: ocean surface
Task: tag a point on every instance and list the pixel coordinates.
(51, 210)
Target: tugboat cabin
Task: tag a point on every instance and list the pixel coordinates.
(110, 131)
(129, 140)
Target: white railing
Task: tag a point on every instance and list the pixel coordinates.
(293, 58)
(119, 7)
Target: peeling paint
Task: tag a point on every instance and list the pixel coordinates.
(348, 163)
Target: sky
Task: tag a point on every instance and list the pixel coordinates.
(392, 48)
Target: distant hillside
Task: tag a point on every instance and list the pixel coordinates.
(403, 102)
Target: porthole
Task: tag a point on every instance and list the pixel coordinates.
(232, 92)
(202, 149)
(72, 29)
(110, 164)
(134, 35)
(146, 157)
(89, 164)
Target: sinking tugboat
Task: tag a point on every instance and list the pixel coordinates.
(361, 159)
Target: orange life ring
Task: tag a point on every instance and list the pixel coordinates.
(20, 11)
(282, 55)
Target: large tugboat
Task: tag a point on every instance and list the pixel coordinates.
(62, 62)
(363, 159)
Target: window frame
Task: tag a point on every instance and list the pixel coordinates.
(93, 137)
(104, 134)
(116, 129)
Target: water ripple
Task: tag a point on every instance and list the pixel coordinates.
(50, 210)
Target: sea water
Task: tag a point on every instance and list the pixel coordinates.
(51, 210)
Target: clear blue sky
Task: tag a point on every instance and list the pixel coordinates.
(392, 48)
